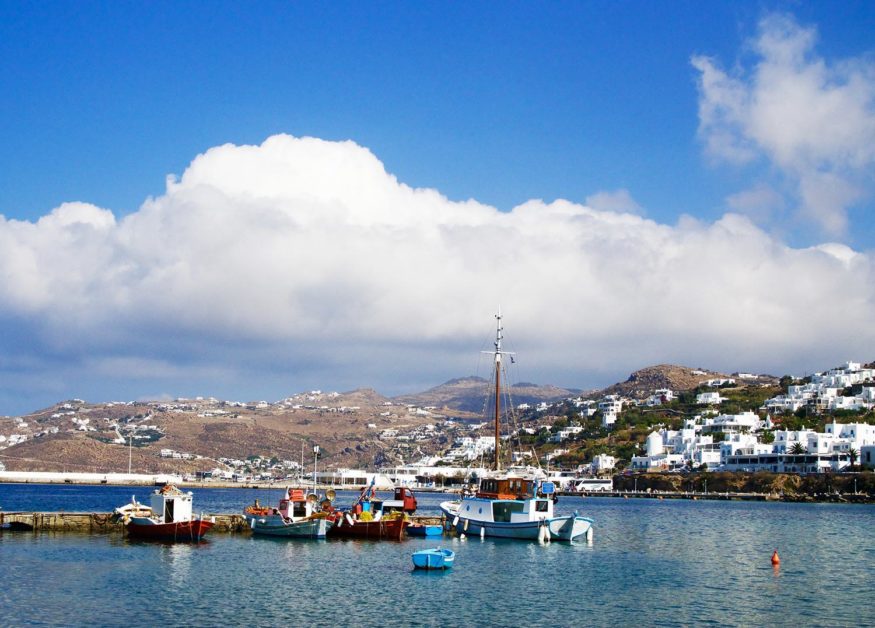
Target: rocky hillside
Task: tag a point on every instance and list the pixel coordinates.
(643, 382)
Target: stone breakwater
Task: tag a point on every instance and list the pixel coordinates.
(103, 523)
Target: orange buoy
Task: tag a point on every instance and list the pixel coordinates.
(776, 560)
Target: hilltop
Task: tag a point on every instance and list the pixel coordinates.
(676, 378)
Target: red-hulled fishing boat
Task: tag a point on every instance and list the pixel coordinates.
(367, 520)
(168, 519)
(345, 526)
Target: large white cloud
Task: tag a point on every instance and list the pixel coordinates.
(306, 255)
(811, 118)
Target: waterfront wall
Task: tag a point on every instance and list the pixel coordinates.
(784, 486)
(52, 477)
(103, 523)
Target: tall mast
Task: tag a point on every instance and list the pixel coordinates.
(497, 389)
(498, 353)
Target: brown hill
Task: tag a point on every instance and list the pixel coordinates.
(643, 382)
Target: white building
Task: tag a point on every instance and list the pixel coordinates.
(733, 423)
(708, 398)
(565, 433)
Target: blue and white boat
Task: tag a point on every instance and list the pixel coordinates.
(297, 516)
(515, 505)
(436, 558)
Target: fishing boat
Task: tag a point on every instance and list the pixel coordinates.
(514, 504)
(168, 518)
(367, 520)
(296, 516)
(436, 558)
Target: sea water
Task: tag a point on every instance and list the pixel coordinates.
(651, 562)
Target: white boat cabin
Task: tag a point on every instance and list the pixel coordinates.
(509, 500)
(296, 505)
(170, 505)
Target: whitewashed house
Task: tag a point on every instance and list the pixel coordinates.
(708, 398)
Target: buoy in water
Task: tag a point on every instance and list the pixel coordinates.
(776, 560)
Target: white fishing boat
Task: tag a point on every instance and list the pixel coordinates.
(169, 518)
(512, 504)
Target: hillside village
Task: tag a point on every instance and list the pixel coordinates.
(664, 418)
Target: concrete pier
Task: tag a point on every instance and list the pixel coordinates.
(102, 523)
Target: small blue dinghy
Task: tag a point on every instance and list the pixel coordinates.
(436, 558)
(418, 529)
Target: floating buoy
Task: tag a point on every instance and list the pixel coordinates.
(776, 560)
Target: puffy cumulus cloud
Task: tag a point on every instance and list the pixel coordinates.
(812, 119)
(620, 201)
(303, 262)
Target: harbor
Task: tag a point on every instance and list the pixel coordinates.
(712, 556)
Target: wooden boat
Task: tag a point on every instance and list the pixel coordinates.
(296, 516)
(169, 518)
(436, 558)
(508, 504)
(367, 519)
(419, 529)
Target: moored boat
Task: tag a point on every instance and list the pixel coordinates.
(169, 517)
(367, 520)
(509, 504)
(437, 558)
(419, 529)
(384, 528)
(296, 516)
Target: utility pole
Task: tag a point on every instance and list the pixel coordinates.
(315, 458)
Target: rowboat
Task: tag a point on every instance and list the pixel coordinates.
(436, 558)
(418, 529)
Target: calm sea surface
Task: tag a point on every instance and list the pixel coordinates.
(652, 562)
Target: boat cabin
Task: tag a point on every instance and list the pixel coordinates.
(170, 505)
(507, 488)
(296, 504)
(402, 501)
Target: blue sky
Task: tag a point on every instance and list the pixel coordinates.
(655, 116)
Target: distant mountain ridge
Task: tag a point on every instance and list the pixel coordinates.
(468, 394)
(354, 428)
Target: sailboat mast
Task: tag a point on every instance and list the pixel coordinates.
(498, 353)
(497, 390)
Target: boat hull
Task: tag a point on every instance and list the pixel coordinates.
(433, 559)
(392, 529)
(529, 530)
(182, 531)
(564, 528)
(275, 526)
(424, 530)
